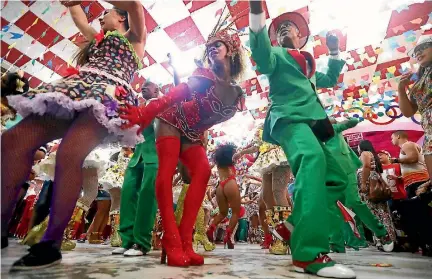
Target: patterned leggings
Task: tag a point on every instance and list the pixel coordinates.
(274, 190)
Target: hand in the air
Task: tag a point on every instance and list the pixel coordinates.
(70, 3)
(236, 156)
(332, 42)
(405, 80)
(134, 116)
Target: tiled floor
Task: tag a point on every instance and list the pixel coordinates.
(245, 261)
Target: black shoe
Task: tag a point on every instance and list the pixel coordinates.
(41, 255)
(4, 242)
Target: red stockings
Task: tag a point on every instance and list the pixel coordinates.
(195, 160)
(168, 150)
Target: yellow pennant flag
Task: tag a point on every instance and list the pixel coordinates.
(12, 46)
(35, 22)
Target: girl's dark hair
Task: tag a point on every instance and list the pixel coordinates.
(366, 145)
(224, 155)
(83, 54)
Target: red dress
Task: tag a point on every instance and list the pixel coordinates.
(202, 111)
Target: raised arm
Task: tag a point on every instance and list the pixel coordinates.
(137, 28)
(175, 73)
(335, 64)
(80, 19)
(259, 40)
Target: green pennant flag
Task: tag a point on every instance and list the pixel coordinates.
(43, 34)
(56, 39)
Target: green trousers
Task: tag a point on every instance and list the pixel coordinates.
(320, 183)
(138, 206)
(352, 201)
(242, 229)
(350, 239)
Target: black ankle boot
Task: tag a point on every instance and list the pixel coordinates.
(41, 255)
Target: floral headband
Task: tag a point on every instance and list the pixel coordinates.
(232, 41)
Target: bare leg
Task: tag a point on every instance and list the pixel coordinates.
(267, 192)
(262, 216)
(232, 194)
(223, 207)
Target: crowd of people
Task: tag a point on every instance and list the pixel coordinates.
(84, 160)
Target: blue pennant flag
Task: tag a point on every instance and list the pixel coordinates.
(50, 64)
(6, 28)
(15, 35)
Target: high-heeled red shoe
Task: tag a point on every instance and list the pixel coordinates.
(194, 258)
(228, 239)
(210, 233)
(268, 240)
(173, 256)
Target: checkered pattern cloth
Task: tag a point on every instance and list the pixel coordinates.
(40, 38)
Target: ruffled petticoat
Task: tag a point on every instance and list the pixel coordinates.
(268, 161)
(67, 97)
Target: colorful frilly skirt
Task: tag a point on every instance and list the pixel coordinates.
(114, 176)
(88, 89)
(269, 160)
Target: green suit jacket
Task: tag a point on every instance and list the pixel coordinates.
(340, 148)
(292, 94)
(145, 152)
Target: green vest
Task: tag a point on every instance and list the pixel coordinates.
(145, 152)
(292, 94)
(340, 148)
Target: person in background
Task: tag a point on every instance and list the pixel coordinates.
(393, 175)
(414, 216)
(347, 158)
(370, 173)
(420, 95)
(138, 194)
(11, 84)
(227, 194)
(413, 168)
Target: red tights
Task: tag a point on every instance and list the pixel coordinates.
(177, 241)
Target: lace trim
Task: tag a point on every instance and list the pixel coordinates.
(128, 44)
